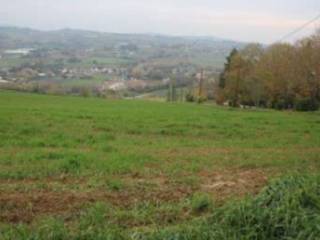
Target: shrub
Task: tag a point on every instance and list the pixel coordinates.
(201, 202)
(287, 209)
(306, 104)
(279, 104)
(85, 92)
(71, 166)
(201, 99)
(190, 97)
(115, 185)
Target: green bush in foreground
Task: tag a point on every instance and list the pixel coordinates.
(287, 209)
(201, 202)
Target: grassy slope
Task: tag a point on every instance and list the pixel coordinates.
(107, 135)
(107, 144)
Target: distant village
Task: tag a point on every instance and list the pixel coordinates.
(58, 70)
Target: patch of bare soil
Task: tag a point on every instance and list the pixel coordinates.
(17, 206)
(237, 183)
(24, 206)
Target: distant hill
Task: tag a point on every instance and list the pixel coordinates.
(197, 48)
(14, 37)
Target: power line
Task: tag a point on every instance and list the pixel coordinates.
(299, 28)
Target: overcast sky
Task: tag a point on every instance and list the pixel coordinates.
(247, 20)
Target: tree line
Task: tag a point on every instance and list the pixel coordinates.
(280, 76)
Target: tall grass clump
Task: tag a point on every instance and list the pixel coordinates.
(288, 208)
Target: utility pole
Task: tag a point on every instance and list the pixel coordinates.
(172, 91)
(169, 94)
(201, 84)
(181, 94)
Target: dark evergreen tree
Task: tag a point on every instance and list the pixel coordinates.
(227, 65)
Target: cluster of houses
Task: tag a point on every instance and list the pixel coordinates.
(78, 72)
(2, 80)
(30, 73)
(120, 85)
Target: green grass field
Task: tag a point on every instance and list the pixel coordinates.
(105, 61)
(93, 82)
(12, 61)
(88, 168)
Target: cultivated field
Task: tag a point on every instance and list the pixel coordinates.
(76, 168)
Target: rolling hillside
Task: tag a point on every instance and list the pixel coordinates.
(75, 168)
